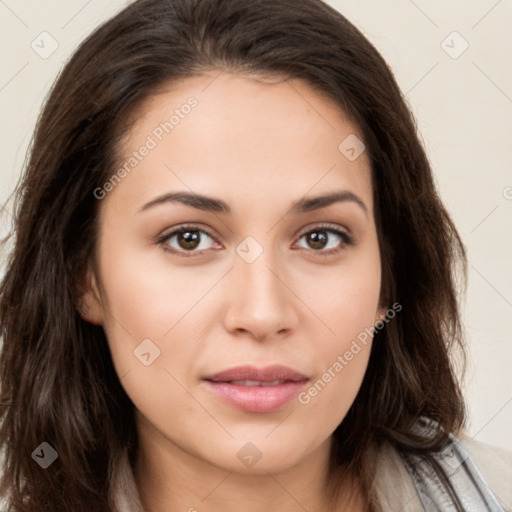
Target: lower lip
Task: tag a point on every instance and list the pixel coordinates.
(257, 398)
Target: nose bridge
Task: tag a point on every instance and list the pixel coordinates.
(260, 302)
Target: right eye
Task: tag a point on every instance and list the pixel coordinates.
(186, 239)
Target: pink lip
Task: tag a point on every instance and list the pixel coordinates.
(257, 398)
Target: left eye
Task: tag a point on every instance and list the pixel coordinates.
(324, 239)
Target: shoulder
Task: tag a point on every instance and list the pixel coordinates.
(125, 496)
(392, 485)
(463, 473)
(495, 465)
(453, 475)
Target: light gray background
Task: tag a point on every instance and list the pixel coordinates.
(463, 106)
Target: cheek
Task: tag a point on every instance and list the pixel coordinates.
(150, 334)
(348, 305)
(346, 297)
(151, 316)
(342, 355)
(146, 294)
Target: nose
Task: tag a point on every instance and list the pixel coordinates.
(260, 301)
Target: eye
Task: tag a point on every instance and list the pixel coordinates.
(186, 239)
(327, 240)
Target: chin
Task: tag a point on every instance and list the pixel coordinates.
(262, 456)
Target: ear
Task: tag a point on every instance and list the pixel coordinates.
(90, 305)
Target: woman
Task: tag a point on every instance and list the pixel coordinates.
(233, 282)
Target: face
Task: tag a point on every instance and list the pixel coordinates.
(233, 308)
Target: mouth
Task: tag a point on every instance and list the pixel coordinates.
(257, 390)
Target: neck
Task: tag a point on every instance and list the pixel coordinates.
(169, 478)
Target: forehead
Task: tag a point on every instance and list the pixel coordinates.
(243, 137)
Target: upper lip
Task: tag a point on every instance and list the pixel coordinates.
(267, 374)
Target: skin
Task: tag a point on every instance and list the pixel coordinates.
(260, 145)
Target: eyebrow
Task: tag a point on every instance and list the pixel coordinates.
(211, 204)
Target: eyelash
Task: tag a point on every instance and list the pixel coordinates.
(347, 240)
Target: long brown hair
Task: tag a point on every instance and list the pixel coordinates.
(58, 383)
